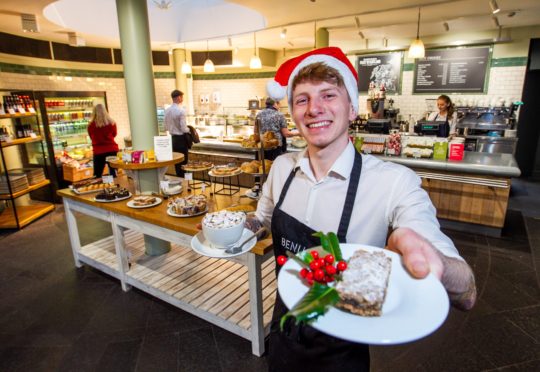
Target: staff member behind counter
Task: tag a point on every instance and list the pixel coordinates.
(175, 124)
(446, 113)
(332, 187)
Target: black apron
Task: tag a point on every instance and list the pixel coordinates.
(302, 347)
(444, 130)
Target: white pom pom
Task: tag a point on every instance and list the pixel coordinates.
(275, 90)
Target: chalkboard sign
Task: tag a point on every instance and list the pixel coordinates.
(452, 71)
(379, 69)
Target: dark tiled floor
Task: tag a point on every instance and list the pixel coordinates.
(54, 317)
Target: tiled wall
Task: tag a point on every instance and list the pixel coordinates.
(114, 88)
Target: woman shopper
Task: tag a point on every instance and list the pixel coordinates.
(102, 131)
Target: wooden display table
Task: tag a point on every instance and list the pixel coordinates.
(236, 294)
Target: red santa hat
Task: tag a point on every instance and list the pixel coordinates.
(330, 56)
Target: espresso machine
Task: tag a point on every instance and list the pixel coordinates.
(489, 129)
(377, 122)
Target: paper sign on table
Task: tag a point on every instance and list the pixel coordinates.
(163, 148)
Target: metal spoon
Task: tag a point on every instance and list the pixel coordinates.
(238, 248)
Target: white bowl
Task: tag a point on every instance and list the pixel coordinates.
(225, 234)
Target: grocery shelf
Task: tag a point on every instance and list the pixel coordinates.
(26, 191)
(15, 116)
(20, 141)
(26, 215)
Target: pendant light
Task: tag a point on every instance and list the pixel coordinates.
(186, 67)
(255, 62)
(208, 64)
(417, 50)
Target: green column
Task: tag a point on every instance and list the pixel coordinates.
(322, 38)
(141, 95)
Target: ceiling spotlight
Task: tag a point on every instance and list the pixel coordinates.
(495, 21)
(283, 33)
(361, 34)
(163, 4)
(357, 20)
(290, 43)
(446, 26)
(494, 6)
(385, 42)
(229, 42)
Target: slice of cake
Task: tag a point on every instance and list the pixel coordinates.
(363, 286)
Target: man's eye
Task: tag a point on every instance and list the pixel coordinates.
(300, 101)
(329, 96)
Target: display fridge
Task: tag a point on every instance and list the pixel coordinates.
(65, 117)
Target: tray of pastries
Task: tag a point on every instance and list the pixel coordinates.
(189, 206)
(112, 194)
(197, 165)
(225, 171)
(89, 186)
(269, 141)
(255, 167)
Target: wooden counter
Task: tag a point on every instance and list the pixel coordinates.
(237, 294)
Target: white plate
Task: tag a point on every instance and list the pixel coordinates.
(202, 246)
(250, 194)
(211, 173)
(172, 214)
(413, 308)
(112, 201)
(132, 205)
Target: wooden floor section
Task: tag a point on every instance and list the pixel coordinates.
(216, 290)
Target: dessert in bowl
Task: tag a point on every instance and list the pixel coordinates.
(224, 228)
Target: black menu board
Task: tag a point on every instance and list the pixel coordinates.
(452, 71)
(379, 69)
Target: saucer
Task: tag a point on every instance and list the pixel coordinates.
(203, 247)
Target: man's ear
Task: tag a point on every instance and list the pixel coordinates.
(352, 113)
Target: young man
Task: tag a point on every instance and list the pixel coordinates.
(175, 124)
(331, 187)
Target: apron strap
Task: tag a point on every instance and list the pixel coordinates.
(286, 187)
(351, 196)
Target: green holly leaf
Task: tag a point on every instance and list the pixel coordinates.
(330, 243)
(314, 304)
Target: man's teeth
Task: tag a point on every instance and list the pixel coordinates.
(318, 125)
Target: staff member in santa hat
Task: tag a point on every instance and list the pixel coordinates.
(331, 187)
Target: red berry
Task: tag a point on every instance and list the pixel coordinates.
(310, 282)
(321, 262)
(342, 265)
(328, 279)
(303, 272)
(318, 275)
(329, 259)
(309, 276)
(314, 265)
(330, 270)
(315, 254)
(281, 260)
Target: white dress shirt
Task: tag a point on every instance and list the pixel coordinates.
(175, 120)
(389, 196)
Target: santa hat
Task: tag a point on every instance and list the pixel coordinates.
(330, 56)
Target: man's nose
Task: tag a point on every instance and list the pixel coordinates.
(314, 106)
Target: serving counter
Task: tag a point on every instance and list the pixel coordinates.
(472, 191)
(236, 294)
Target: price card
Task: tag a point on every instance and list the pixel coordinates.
(22, 111)
(31, 110)
(8, 139)
(32, 135)
(188, 176)
(11, 111)
(163, 148)
(107, 179)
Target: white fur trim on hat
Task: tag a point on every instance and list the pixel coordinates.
(275, 91)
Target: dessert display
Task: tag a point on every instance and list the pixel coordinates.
(419, 147)
(373, 145)
(255, 166)
(393, 145)
(188, 206)
(224, 228)
(143, 200)
(197, 165)
(225, 170)
(89, 186)
(112, 194)
(362, 289)
(269, 140)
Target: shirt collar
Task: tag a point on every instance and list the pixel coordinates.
(341, 168)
